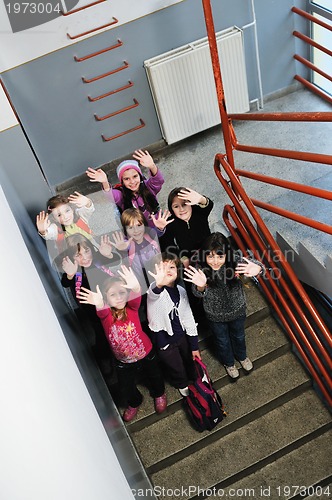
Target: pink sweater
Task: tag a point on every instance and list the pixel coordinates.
(127, 340)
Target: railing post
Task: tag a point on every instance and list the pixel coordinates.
(218, 80)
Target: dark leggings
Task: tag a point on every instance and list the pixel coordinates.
(178, 359)
(127, 374)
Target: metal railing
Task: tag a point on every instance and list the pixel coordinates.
(296, 312)
(318, 46)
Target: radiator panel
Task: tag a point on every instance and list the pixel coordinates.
(183, 88)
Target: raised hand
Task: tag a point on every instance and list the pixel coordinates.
(160, 275)
(105, 247)
(86, 296)
(195, 276)
(248, 268)
(144, 158)
(79, 200)
(97, 175)
(120, 242)
(42, 222)
(131, 282)
(69, 267)
(161, 220)
(191, 197)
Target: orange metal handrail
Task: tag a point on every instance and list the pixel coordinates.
(315, 362)
(218, 79)
(311, 42)
(320, 226)
(115, 20)
(312, 66)
(93, 99)
(314, 19)
(228, 210)
(271, 244)
(101, 118)
(106, 139)
(294, 186)
(285, 153)
(94, 79)
(312, 116)
(220, 160)
(313, 88)
(84, 58)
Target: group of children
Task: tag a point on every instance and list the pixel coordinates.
(149, 284)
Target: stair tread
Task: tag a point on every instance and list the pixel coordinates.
(250, 444)
(262, 338)
(249, 392)
(255, 299)
(306, 465)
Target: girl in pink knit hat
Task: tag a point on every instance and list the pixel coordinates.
(135, 190)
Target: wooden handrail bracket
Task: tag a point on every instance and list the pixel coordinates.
(100, 118)
(73, 37)
(106, 139)
(90, 80)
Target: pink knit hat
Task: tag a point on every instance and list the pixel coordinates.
(126, 165)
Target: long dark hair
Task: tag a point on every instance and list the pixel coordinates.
(76, 242)
(219, 244)
(150, 201)
(171, 196)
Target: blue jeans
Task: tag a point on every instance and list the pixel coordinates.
(229, 338)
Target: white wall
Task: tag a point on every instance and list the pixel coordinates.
(53, 445)
(7, 116)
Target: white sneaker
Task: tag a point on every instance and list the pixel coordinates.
(232, 371)
(184, 392)
(247, 365)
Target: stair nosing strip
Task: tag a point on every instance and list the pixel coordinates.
(218, 384)
(251, 469)
(323, 483)
(232, 427)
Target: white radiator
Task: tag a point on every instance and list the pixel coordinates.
(183, 87)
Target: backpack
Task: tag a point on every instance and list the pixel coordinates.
(203, 405)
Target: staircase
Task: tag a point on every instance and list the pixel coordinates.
(276, 436)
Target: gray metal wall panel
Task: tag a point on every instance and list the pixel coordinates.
(22, 172)
(52, 100)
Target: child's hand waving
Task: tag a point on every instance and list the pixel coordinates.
(131, 282)
(86, 296)
(69, 267)
(119, 241)
(195, 276)
(248, 268)
(144, 158)
(161, 220)
(42, 222)
(160, 275)
(105, 247)
(97, 175)
(79, 200)
(191, 197)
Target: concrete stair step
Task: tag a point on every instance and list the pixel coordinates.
(265, 341)
(250, 448)
(307, 465)
(172, 438)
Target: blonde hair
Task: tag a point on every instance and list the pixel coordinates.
(131, 215)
